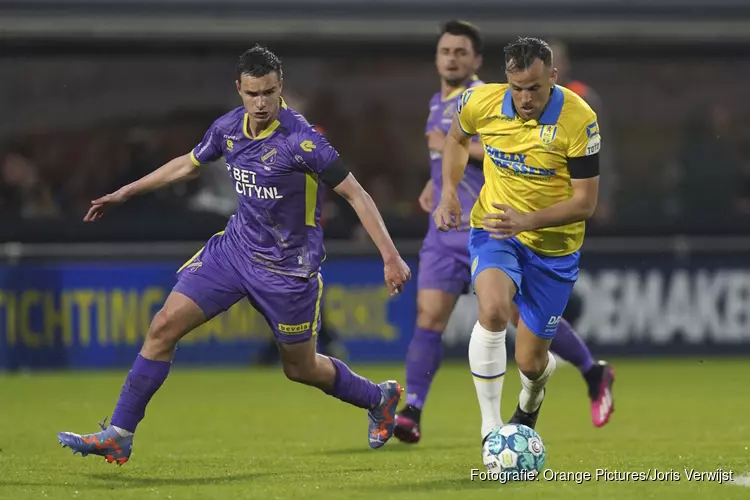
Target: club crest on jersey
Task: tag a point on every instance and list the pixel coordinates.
(268, 155)
(548, 133)
(230, 144)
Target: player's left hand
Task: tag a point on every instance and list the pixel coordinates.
(506, 224)
(435, 140)
(396, 274)
(104, 204)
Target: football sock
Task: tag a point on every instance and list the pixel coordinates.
(353, 389)
(488, 359)
(423, 359)
(570, 347)
(532, 391)
(142, 382)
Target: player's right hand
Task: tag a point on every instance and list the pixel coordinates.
(448, 213)
(427, 198)
(103, 204)
(396, 274)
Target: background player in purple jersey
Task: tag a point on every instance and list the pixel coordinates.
(444, 262)
(270, 253)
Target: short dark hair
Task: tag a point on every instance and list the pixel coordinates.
(464, 28)
(258, 61)
(521, 53)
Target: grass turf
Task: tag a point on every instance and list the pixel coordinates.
(252, 434)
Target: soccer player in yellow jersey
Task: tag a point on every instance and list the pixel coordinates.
(541, 172)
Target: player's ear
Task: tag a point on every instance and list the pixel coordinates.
(237, 84)
(479, 62)
(553, 77)
(281, 85)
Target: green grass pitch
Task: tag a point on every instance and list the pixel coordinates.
(231, 434)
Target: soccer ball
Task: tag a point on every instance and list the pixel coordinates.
(514, 451)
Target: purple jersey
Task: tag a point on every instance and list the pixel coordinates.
(276, 179)
(444, 259)
(441, 117)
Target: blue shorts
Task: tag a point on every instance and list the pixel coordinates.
(543, 284)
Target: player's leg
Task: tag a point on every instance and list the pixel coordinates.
(204, 289)
(536, 365)
(546, 288)
(328, 339)
(291, 306)
(497, 276)
(442, 277)
(599, 375)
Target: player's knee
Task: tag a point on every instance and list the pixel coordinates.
(494, 315)
(433, 314)
(430, 319)
(302, 373)
(163, 333)
(532, 366)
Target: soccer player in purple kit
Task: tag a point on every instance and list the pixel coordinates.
(269, 253)
(444, 261)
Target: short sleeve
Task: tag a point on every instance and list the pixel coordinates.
(314, 150)
(209, 149)
(586, 141)
(466, 113)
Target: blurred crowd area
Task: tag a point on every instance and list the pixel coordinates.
(78, 125)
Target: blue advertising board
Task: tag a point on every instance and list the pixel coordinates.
(95, 315)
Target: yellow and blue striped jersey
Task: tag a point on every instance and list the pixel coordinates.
(526, 162)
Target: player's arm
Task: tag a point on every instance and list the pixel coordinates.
(455, 157)
(476, 150)
(583, 156)
(319, 156)
(347, 186)
(579, 207)
(178, 169)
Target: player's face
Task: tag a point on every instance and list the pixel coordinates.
(531, 89)
(261, 95)
(455, 59)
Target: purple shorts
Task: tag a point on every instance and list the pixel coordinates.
(444, 262)
(217, 277)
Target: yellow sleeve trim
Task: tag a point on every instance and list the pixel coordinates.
(194, 159)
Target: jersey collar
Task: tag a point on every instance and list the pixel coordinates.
(551, 113)
(264, 133)
(460, 90)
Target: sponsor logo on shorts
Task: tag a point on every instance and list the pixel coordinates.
(474, 265)
(294, 329)
(194, 266)
(552, 324)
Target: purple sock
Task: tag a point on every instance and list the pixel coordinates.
(570, 347)
(143, 380)
(353, 389)
(422, 362)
